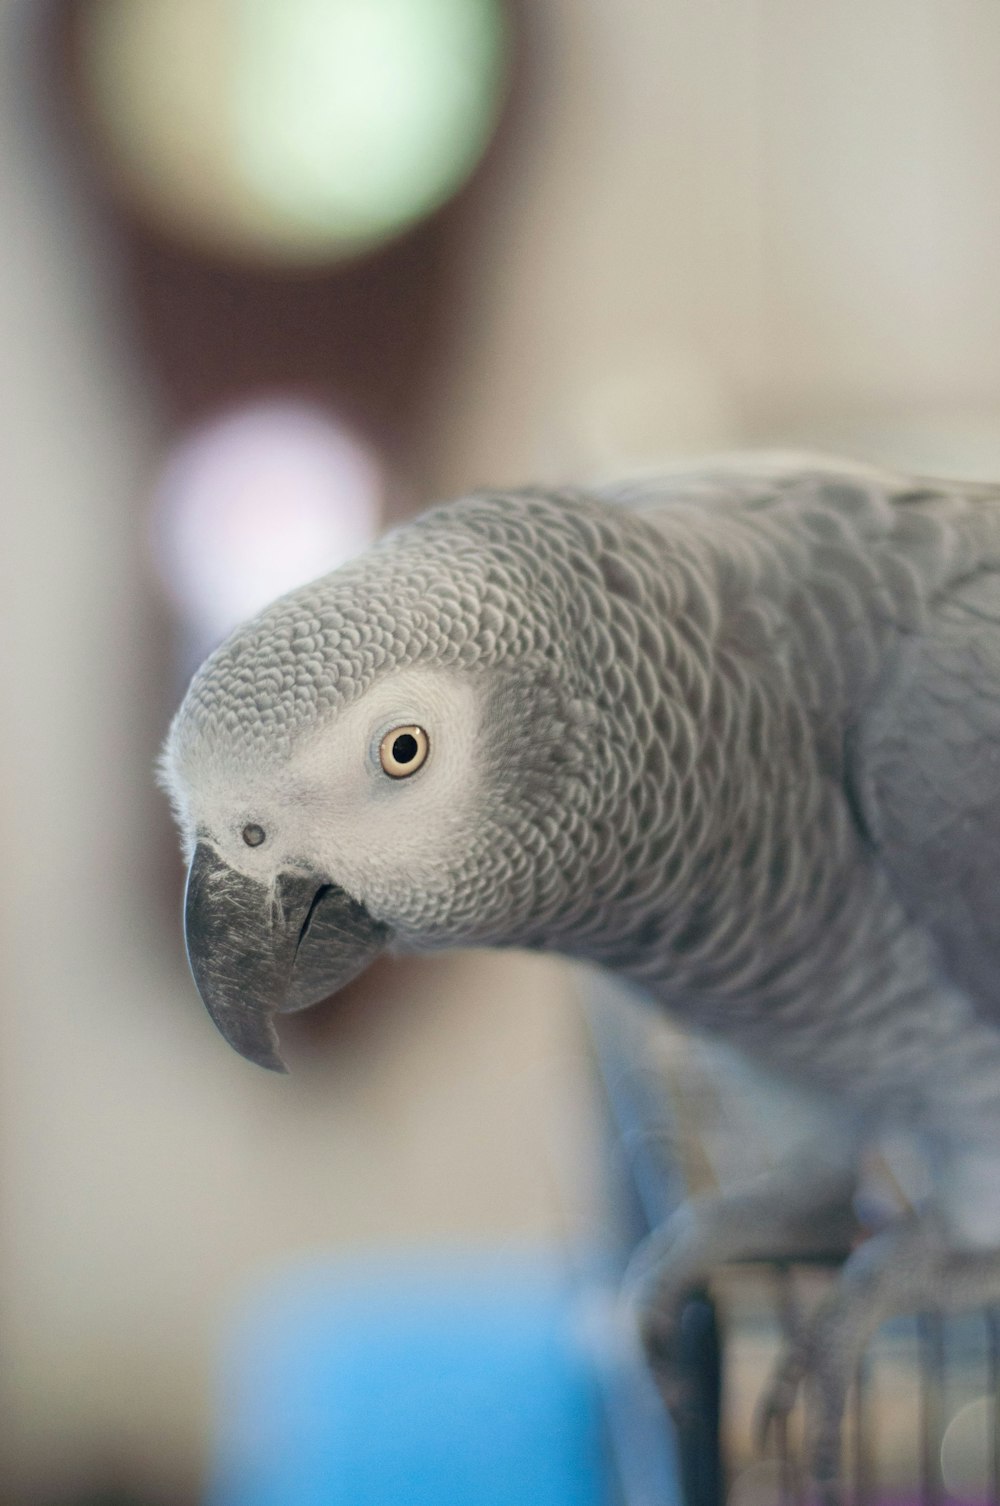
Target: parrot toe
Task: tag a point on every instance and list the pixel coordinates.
(882, 1277)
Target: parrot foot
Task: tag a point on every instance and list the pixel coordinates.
(882, 1277)
(822, 1379)
(665, 1269)
(799, 1207)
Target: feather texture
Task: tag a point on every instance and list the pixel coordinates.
(739, 736)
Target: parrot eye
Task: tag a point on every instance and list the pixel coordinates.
(403, 751)
(253, 835)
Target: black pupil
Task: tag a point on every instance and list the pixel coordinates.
(404, 748)
(253, 835)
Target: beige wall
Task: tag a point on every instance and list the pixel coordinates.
(742, 222)
(727, 222)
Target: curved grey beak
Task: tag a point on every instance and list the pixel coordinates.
(257, 949)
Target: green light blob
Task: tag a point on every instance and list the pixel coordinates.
(364, 115)
(294, 129)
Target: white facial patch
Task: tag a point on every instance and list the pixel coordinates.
(392, 843)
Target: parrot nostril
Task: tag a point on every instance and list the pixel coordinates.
(253, 835)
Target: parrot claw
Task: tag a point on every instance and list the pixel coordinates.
(825, 1351)
(778, 1402)
(822, 1385)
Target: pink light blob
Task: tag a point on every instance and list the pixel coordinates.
(255, 503)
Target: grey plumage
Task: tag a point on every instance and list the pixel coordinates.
(735, 735)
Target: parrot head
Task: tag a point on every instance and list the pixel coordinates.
(403, 754)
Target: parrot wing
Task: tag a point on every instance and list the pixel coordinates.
(926, 774)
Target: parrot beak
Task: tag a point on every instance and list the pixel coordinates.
(258, 949)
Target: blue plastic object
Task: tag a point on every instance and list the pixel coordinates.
(421, 1382)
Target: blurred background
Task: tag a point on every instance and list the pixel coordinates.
(273, 274)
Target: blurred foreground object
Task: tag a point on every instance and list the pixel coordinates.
(440, 1380)
(293, 131)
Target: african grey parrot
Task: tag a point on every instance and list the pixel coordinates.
(734, 735)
